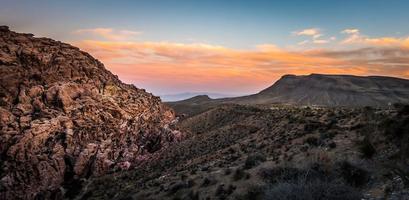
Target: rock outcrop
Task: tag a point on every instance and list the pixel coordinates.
(64, 117)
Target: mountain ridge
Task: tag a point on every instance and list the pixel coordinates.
(314, 90)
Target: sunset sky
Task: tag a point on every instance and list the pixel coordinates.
(230, 47)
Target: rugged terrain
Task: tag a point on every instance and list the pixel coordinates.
(315, 90)
(275, 152)
(65, 118)
(70, 129)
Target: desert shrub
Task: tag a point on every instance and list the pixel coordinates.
(254, 160)
(190, 183)
(366, 148)
(332, 145)
(316, 190)
(311, 183)
(311, 126)
(253, 192)
(219, 190)
(222, 192)
(192, 195)
(402, 108)
(313, 141)
(352, 174)
(208, 181)
(239, 173)
(368, 112)
(398, 125)
(127, 198)
(327, 135)
(183, 176)
(227, 171)
(289, 174)
(230, 189)
(176, 187)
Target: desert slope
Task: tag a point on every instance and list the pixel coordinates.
(64, 117)
(280, 152)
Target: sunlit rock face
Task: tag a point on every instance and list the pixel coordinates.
(64, 117)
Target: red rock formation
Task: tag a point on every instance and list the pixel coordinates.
(63, 117)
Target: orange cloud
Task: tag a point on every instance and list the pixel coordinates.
(355, 37)
(108, 33)
(166, 67)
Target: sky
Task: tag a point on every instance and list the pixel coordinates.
(229, 47)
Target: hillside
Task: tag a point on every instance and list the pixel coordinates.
(280, 153)
(65, 118)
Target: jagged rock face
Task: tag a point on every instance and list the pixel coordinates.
(63, 117)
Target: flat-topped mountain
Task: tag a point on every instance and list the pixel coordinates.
(315, 90)
(64, 117)
(337, 90)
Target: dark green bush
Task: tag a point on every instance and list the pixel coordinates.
(313, 141)
(366, 148)
(254, 160)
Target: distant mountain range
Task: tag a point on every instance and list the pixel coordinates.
(187, 95)
(315, 90)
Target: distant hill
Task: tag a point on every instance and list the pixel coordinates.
(187, 95)
(316, 90)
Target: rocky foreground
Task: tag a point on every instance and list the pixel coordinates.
(65, 118)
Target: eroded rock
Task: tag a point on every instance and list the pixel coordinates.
(64, 117)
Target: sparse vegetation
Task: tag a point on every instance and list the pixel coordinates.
(315, 190)
(295, 164)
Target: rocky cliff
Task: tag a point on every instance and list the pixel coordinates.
(64, 117)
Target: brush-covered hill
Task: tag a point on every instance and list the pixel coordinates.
(64, 118)
(283, 153)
